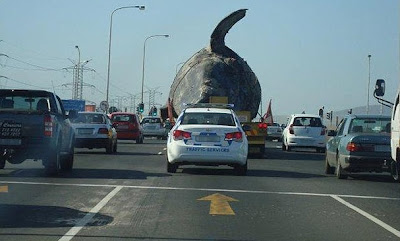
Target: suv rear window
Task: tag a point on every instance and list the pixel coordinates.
(307, 121)
(21, 102)
(208, 119)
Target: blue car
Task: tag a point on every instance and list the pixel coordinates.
(361, 143)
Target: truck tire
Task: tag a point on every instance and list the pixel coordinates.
(52, 163)
(67, 161)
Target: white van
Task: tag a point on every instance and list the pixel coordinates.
(395, 126)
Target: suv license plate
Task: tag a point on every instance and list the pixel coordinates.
(10, 142)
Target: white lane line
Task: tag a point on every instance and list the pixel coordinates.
(203, 189)
(160, 153)
(74, 230)
(367, 215)
(164, 149)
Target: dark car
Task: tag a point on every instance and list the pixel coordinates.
(128, 126)
(361, 143)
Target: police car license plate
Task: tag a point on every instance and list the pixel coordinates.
(205, 138)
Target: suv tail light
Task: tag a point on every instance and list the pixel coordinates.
(103, 131)
(48, 125)
(234, 136)
(179, 135)
(262, 125)
(291, 131)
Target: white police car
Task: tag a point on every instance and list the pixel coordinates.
(207, 134)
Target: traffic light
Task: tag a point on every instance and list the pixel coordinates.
(154, 111)
(141, 107)
(321, 112)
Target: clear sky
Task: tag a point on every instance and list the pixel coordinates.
(306, 54)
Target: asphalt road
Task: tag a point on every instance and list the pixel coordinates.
(130, 196)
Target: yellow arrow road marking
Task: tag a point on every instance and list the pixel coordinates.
(219, 204)
(3, 188)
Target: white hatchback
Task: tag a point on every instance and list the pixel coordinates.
(304, 131)
(207, 136)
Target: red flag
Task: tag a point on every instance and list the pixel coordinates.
(268, 116)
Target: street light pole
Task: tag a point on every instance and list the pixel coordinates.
(369, 81)
(78, 77)
(144, 57)
(109, 47)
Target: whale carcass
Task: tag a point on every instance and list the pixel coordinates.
(216, 70)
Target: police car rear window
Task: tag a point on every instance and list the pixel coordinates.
(208, 119)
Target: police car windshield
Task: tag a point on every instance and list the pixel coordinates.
(208, 119)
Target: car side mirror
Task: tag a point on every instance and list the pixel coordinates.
(379, 87)
(246, 128)
(72, 114)
(332, 133)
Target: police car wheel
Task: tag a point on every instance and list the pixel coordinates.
(241, 170)
(171, 168)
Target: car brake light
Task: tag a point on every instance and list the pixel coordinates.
(291, 131)
(179, 135)
(103, 131)
(353, 147)
(235, 136)
(48, 126)
(262, 125)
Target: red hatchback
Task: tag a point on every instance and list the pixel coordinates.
(127, 126)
